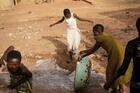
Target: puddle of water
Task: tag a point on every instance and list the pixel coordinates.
(49, 76)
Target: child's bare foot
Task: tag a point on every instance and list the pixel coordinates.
(69, 60)
(69, 73)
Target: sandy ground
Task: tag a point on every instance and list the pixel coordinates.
(26, 26)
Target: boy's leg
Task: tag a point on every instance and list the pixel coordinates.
(115, 90)
(70, 58)
(77, 39)
(75, 42)
(121, 89)
(70, 52)
(70, 41)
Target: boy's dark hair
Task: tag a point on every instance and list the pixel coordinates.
(138, 24)
(14, 54)
(66, 11)
(98, 28)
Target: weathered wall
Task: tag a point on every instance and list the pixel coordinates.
(6, 4)
(133, 1)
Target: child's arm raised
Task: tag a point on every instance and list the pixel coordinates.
(58, 22)
(4, 56)
(82, 19)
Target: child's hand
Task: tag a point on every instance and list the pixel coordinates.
(11, 86)
(82, 52)
(80, 57)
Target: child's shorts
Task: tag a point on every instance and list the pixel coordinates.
(73, 39)
(25, 87)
